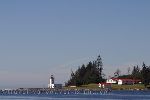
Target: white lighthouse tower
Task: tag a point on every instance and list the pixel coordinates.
(51, 82)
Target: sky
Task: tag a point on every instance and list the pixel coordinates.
(43, 37)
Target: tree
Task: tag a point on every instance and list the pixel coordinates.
(117, 73)
(91, 73)
(72, 80)
(99, 66)
(128, 70)
(145, 74)
(136, 72)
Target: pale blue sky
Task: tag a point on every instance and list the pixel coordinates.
(43, 37)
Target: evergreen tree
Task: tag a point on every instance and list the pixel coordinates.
(99, 65)
(117, 73)
(136, 73)
(91, 73)
(146, 74)
(128, 71)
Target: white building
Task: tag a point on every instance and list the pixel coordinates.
(51, 82)
(122, 81)
(112, 81)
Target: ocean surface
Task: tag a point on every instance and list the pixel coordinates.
(114, 95)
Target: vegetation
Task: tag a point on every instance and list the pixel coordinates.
(137, 73)
(88, 86)
(91, 73)
(146, 74)
(128, 87)
(113, 86)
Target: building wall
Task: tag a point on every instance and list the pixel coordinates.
(111, 81)
(58, 86)
(120, 82)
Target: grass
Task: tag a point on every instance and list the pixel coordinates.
(89, 86)
(128, 87)
(114, 87)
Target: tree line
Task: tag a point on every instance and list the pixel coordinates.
(86, 74)
(93, 73)
(142, 73)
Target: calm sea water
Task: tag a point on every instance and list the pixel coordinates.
(114, 95)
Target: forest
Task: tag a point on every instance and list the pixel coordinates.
(142, 73)
(86, 74)
(93, 73)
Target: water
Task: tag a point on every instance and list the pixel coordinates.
(114, 95)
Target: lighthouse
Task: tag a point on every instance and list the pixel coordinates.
(51, 82)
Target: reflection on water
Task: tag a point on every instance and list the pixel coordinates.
(119, 95)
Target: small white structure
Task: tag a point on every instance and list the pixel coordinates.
(73, 86)
(120, 82)
(104, 85)
(51, 82)
(101, 85)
